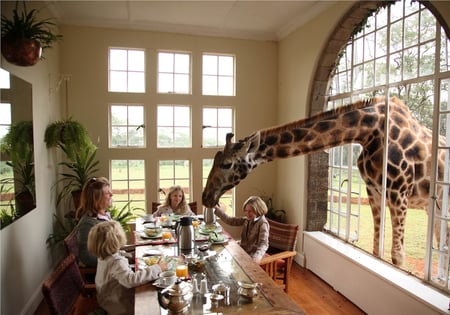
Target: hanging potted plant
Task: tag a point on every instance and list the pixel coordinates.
(24, 37)
(17, 145)
(72, 138)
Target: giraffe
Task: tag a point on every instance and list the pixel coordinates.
(408, 167)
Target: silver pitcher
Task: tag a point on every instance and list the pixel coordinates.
(208, 216)
(186, 236)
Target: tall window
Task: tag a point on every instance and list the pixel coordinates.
(175, 172)
(218, 75)
(402, 51)
(128, 182)
(127, 126)
(217, 122)
(126, 70)
(174, 73)
(174, 126)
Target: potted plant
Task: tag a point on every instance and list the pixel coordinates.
(24, 37)
(272, 213)
(17, 145)
(72, 138)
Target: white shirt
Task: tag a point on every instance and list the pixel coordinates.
(115, 282)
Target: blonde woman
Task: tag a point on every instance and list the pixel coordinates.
(175, 203)
(115, 280)
(255, 228)
(96, 198)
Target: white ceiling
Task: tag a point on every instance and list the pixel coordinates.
(244, 19)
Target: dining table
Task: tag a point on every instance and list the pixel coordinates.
(224, 262)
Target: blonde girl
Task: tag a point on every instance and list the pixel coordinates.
(175, 203)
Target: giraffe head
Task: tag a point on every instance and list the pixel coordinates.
(230, 166)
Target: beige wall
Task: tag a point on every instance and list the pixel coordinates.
(298, 59)
(25, 260)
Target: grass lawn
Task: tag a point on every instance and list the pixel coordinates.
(415, 237)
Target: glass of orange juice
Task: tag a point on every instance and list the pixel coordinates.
(166, 234)
(182, 271)
(195, 223)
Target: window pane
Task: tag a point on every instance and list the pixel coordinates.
(126, 70)
(174, 72)
(165, 83)
(218, 75)
(136, 61)
(165, 62)
(127, 126)
(118, 59)
(128, 184)
(174, 126)
(210, 65)
(182, 63)
(117, 81)
(217, 122)
(175, 172)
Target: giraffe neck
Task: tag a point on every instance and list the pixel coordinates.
(350, 124)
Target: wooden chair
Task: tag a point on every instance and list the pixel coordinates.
(155, 206)
(280, 255)
(71, 244)
(65, 291)
(193, 206)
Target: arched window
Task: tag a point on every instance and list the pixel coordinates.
(399, 50)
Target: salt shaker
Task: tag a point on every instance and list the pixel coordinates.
(194, 286)
(203, 286)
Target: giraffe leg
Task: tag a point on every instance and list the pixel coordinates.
(398, 219)
(375, 207)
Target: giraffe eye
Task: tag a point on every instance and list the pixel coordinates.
(225, 166)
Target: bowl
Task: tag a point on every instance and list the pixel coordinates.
(152, 231)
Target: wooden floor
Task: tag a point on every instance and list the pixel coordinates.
(309, 291)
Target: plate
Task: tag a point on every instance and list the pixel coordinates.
(220, 242)
(148, 261)
(145, 236)
(203, 229)
(160, 285)
(152, 252)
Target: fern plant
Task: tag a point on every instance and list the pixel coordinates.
(26, 25)
(126, 214)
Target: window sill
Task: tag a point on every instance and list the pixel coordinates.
(360, 275)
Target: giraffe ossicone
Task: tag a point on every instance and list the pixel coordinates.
(408, 167)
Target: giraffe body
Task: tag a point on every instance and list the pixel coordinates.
(408, 167)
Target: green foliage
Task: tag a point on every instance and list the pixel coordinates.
(62, 229)
(73, 139)
(7, 216)
(80, 170)
(18, 145)
(272, 213)
(68, 135)
(26, 25)
(125, 214)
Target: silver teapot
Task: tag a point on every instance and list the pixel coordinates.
(176, 298)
